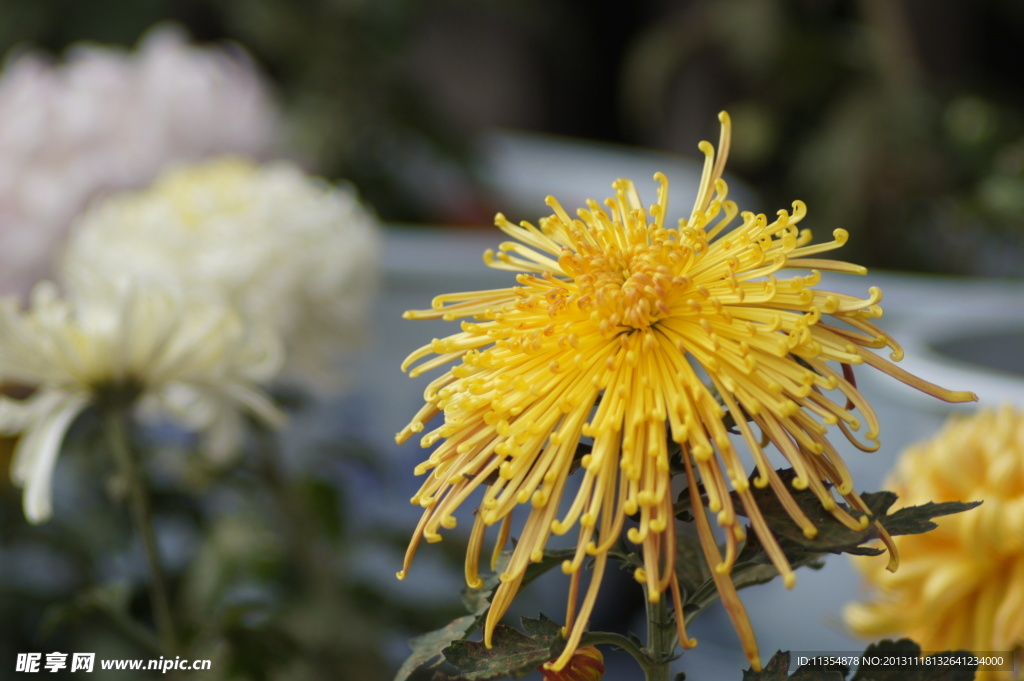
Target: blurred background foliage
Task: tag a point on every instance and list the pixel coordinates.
(901, 121)
(260, 558)
(274, 565)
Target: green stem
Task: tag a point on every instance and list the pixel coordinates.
(142, 513)
(301, 542)
(322, 580)
(660, 640)
(597, 638)
(134, 631)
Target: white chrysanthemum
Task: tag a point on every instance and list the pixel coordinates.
(196, 363)
(291, 252)
(109, 119)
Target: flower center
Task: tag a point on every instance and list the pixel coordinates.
(627, 287)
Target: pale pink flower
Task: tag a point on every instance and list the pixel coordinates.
(109, 119)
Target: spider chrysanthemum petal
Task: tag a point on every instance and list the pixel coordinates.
(637, 333)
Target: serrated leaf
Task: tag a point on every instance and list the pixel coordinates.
(478, 600)
(777, 669)
(913, 672)
(542, 626)
(753, 553)
(918, 519)
(429, 647)
(753, 565)
(512, 654)
(834, 537)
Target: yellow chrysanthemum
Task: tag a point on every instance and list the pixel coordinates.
(632, 332)
(961, 586)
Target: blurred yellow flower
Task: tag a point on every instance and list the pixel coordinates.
(187, 360)
(961, 586)
(623, 326)
(288, 251)
(587, 664)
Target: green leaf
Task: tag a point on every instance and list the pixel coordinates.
(753, 565)
(429, 647)
(777, 669)
(478, 600)
(906, 648)
(512, 654)
(917, 519)
(834, 537)
(754, 554)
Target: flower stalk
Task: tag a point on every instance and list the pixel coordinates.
(661, 639)
(597, 638)
(655, 658)
(117, 427)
